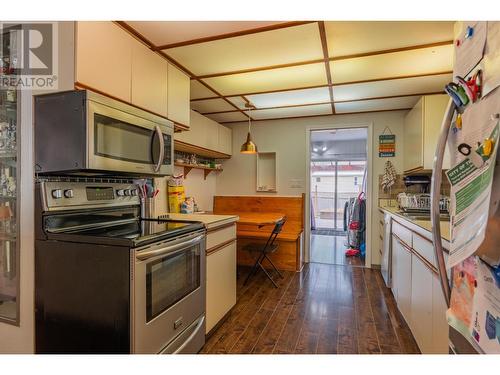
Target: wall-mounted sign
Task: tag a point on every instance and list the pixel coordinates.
(387, 145)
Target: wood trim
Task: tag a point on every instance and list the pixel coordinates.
(311, 116)
(219, 247)
(403, 243)
(221, 227)
(335, 58)
(82, 86)
(324, 46)
(234, 34)
(426, 263)
(416, 169)
(337, 101)
(389, 78)
(392, 50)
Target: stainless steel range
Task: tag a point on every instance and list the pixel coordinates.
(109, 281)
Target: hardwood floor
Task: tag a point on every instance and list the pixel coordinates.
(331, 250)
(325, 309)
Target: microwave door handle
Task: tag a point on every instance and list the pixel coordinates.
(168, 249)
(159, 134)
(435, 199)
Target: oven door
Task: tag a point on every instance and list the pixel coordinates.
(169, 295)
(120, 141)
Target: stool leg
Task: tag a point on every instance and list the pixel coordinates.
(272, 264)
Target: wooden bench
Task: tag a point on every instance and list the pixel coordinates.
(290, 253)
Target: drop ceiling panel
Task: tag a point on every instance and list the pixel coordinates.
(421, 61)
(347, 38)
(168, 32)
(287, 45)
(377, 104)
(228, 117)
(211, 105)
(310, 110)
(276, 99)
(406, 86)
(199, 91)
(268, 80)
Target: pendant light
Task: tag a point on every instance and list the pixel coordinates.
(248, 147)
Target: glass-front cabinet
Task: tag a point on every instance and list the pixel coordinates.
(9, 172)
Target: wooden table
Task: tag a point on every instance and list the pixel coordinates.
(259, 219)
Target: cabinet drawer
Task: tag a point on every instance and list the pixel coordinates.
(219, 236)
(424, 248)
(403, 233)
(221, 284)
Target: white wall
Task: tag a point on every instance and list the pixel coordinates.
(202, 190)
(288, 139)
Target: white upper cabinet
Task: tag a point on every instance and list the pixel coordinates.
(104, 58)
(225, 140)
(179, 87)
(422, 127)
(149, 80)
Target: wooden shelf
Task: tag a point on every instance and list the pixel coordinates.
(188, 167)
(192, 149)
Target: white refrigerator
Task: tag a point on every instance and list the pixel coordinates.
(470, 278)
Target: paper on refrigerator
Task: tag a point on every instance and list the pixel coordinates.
(470, 200)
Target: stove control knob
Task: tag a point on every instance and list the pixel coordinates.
(134, 192)
(120, 192)
(69, 193)
(56, 193)
(127, 192)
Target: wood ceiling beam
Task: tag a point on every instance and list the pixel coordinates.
(233, 34)
(151, 46)
(333, 84)
(309, 116)
(336, 58)
(324, 46)
(334, 102)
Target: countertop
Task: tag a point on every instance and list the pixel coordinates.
(423, 224)
(210, 221)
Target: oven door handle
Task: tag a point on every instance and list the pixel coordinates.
(168, 249)
(159, 134)
(191, 337)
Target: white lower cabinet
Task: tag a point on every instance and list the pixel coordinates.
(439, 322)
(402, 277)
(221, 281)
(421, 304)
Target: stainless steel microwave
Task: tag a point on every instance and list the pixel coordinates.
(82, 132)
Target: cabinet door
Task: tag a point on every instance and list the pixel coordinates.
(104, 58)
(212, 134)
(403, 279)
(434, 108)
(225, 140)
(149, 80)
(178, 96)
(221, 284)
(421, 304)
(413, 138)
(439, 321)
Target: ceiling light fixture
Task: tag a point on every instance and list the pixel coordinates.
(248, 147)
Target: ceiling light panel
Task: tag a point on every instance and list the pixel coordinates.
(311, 110)
(269, 80)
(277, 99)
(228, 117)
(397, 64)
(167, 32)
(416, 85)
(347, 38)
(282, 46)
(199, 91)
(211, 105)
(239, 102)
(377, 104)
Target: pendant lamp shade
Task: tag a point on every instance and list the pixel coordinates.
(249, 147)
